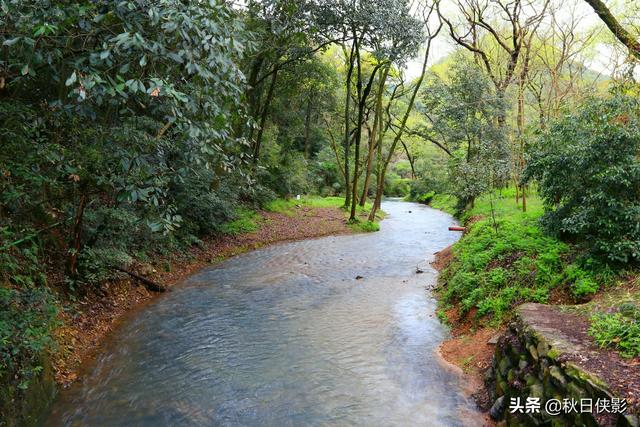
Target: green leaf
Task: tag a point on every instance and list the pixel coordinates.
(71, 80)
(11, 42)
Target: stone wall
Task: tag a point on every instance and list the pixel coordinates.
(531, 361)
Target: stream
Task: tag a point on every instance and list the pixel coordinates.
(287, 336)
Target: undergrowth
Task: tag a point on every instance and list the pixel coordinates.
(505, 259)
(620, 330)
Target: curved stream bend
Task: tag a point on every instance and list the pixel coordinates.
(287, 336)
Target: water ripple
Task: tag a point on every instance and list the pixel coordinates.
(286, 336)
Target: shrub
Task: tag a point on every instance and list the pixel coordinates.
(588, 174)
(27, 318)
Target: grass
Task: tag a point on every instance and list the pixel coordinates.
(619, 330)
(246, 222)
(506, 259)
(444, 202)
(288, 207)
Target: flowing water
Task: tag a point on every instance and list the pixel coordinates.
(287, 336)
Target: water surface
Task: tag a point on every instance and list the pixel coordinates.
(287, 336)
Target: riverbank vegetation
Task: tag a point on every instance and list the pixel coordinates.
(135, 130)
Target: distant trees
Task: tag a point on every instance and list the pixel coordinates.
(463, 119)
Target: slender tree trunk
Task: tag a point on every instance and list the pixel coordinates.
(347, 114)
(520, 157)
(383, 168)
(254, 94)
(358, 135)
(376, 135)
(263, 118)
(76, 237)
(307, 129)
(411, 159)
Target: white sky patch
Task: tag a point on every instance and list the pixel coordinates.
(604, 59)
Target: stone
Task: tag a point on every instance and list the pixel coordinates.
(494, 339)
(536, 390)
(629, 420)
(558, 377)
(576, 391)
(497, 409)
(543, 348)
(533, 351)
(503, 366)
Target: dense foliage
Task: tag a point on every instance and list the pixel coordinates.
(588, 174)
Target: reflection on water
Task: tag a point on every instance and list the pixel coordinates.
(286, 336)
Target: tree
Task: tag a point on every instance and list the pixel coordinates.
(123, 101)
(615, 27)
(462, 115)
(588, 174)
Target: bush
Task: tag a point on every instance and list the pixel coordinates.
(27, 319)
(588, 174)
(395, 186)
(620, 331)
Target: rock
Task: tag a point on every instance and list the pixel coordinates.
(629, 420)
(542, 348)
(536, 390)
(503, 367)
(533, 351)
(498, 407)
(494, 339)
(558, 377)
(576, 391)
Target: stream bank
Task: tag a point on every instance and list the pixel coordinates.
(497, 266)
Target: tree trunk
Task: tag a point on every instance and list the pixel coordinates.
(347, 111)
(358, 135)
(307, 129)
(375, 139)
(76, 237)
(612, 23)
(263, 118)
(403, 124)
(411, 159)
